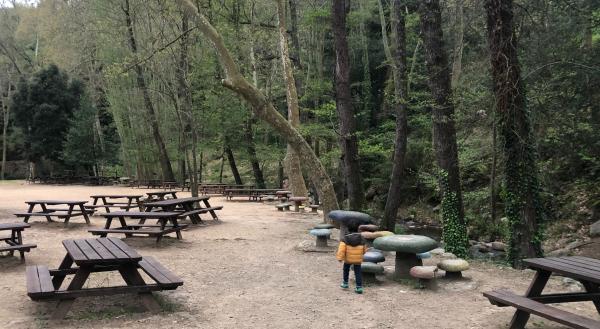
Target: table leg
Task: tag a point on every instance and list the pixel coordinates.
(212, 212)
(108, 222)
(66, 263)
(124, 225)
(132, 277)
(44, 209)
(64, 305)
(139, 203)
(592, 288)
(107, 208)
(26, 219)
(129, 200)
(85, 215)
(69, 212)
(12, 240)
(19, 241)
(195, 218)
(176, 225)
(520, 318)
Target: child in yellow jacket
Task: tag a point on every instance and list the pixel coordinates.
(351, 251)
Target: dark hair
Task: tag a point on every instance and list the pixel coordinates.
(354, 239)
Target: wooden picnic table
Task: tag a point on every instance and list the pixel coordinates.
(167, 223)
(161, 195)
(583, 269)
(133, 201)
(75, 208)
(251, 193)
(15, 240)
(187, 207)
(99, 255)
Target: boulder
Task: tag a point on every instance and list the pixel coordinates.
(437, 251)
(500, 246)
(595, 229)
(448, 255)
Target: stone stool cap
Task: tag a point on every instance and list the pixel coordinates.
(410, 244)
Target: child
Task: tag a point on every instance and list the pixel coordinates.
(351, 251)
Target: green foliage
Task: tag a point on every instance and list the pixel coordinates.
(454, 231)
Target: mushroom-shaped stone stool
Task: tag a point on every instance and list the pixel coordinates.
(368, 228)
(370, 236)
(324, 225)
(283, 195)
(283, 206)
(298, 200)
(314, 208)
(349, 220)
(322, 235)
(406, 247)
(370, 270)
(424, 255)
(373, 256)
(453, 267)
(425, 274)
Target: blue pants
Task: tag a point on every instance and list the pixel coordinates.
(357, 273)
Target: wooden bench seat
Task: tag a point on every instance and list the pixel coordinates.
(39, 282)
(151, 232)
(59, 214)
(200, 211)
(159, 273)
(18, 247)
(508, 298)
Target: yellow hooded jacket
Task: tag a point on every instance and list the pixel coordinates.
(350, 254)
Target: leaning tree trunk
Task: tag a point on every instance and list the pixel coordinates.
(233, 166)
(5, 121)
(444, 133)
(397, 56)
(522, 200)
(165, 162)
(343, 101)
(292, 161)
(266, 111)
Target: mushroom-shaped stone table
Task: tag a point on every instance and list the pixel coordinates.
(425, 274)
(370, 270)
(406, 247)
(283, 206)
(349, 220)
(314, 208)
(298, 200)
(370, 236)
(283, 195)
(322, 235)
(453, 267)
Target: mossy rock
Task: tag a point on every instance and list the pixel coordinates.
(410, 244)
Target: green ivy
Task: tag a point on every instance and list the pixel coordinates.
(454, 231)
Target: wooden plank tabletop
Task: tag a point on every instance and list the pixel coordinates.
(100, 251)
(56, 202)
(161, 193)
(576, 267)
(141, 214)
(11, 226)
(174, 202)
(115, 196)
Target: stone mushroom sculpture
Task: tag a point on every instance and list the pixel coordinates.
(298, 200)
(373, 256)
(283, 195)
(370, 236)
(324, 225)
(406, 247)
(425, 275)
(370, 270)
(349, 220)
(368, 228)
(322, 235)
(283, 207)
(314, 208)
(453, 267)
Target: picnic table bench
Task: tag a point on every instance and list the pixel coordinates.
(15, 241)
(65, 213)
(186, 207)
(583, 269)
(98, 255)
(133, 201)
(167, 223)
(161, 195)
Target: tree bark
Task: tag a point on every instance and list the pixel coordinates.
(292, 161)
(5, 121)
(234, 169)
(459, 43)
(522, 200)
(343, 100)
(165, 162)
(444, 132)
(398, 62)
(266, 111)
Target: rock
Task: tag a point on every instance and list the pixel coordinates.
(448, 255)
(412, 244)
(595, 229)
(323, 226)
(367, 267)
(475, 253)
(559, 252)
(424, 272)
(373, 257)
(482, 247)
(473, 242)
(497, 245)
(453, 265)
(496, 255)
(574, 245)
(437, 251)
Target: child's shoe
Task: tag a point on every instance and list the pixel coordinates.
(344, 285)
(358, 290)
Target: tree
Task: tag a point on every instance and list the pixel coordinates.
(444, 133)
(522, 199)
(292, 161)
(343, 101)
(265, 110)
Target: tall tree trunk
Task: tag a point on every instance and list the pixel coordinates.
(522, 201)
(292, 161)
(398, 61)
(444, 132)
(265, 110)
(459, 43)
(5, 121)
(343, 100)
(234, 169)
(165, 162)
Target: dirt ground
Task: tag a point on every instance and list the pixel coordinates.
(247, 272)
